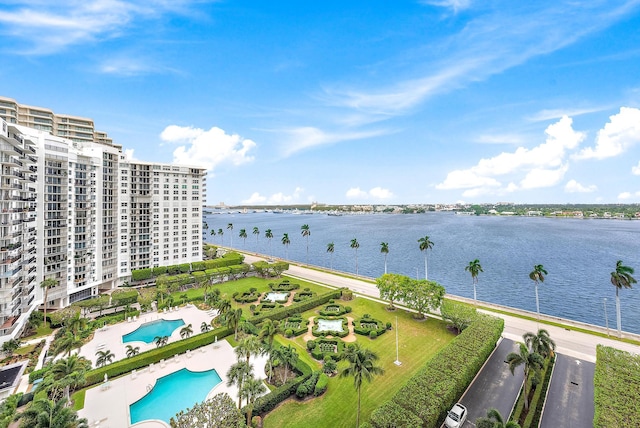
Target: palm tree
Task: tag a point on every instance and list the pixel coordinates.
(66, 344)
(355, 245)
(251, 389)
(232, 320)
(223, 306)
(104, 358)
(250, 345)
(495, 420)
(306, 232)
(540, 343)
(474, 269)
(384, 249)
(204, 327)
(44, 413)
(269, 235)
(330, 248)
(131, 351)
(70, 372)
(221, 235)
(243, 235)
(46, 285)
(362, 366)
(236, 376)
(537, 275)
(286, 241)
(160, 341)
(75, 324)
(186, 332)
(529, 361)
(230, 228)
(425, 246)
(620, 279)
(289, 357)
(269, 331)
(256, 232)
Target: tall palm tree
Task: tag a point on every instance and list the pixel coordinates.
(251, 389)
(104, 358)
(243, 235)
(286, 241)
(230, 228)
(269, 235)
(186, 332)
(474, 268)
(132, 351)
(537, 275)
(425, 246)
(540, 342)
(46, 285)
(256, 232)
(250, 345)
(495, 420)
(306, 232)
(236, 376)
(289, 357)
(330, 249)
(384, 249)
(75, 324)
(221, 235)
(355, 245)
(44, 413)
(67, 343)
(530, 361)
(269, 331)
(223, 305)
(621, 278)
(70, 372)
(232, 320)
(362, 366)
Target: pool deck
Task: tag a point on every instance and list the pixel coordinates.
(109, 406)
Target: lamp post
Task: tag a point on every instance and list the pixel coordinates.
(397, 361)
(606, 319)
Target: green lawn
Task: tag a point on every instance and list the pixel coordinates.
(419, 341)
(25, 349)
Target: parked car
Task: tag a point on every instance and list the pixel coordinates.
(456, 416)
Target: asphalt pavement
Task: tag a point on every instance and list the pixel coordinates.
(570, 396)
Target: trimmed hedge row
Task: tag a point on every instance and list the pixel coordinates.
(284, 285)
(302, 327)
(362, 326)
(287, 311)
(268, 402)
(303, 295)
(315, 347)
(228, 259)
(341, 310)
(321, 385)
(309, 386)
(424, 400)
(343, 333)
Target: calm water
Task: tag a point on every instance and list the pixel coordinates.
(578, 254)
(148, 331)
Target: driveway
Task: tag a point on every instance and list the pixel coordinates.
(494, 386)
(570, 396)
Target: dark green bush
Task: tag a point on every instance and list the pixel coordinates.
(140, 274)
(321, 384)
(373, 334)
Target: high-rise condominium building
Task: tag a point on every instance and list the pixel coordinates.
(82, 214)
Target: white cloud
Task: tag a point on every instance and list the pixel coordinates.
(636, 169)
(455, 5)
(624, 196)
(375, 193)
(545, 115)
(573, 186)
(621, 133)
(306, 137)
(207, 148)
(255, 199)
(277, 198)
(540, 166)
(500, 139)
(128, 153)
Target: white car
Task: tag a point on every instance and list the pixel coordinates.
(456, 416)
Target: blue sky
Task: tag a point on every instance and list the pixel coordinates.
(374, 102)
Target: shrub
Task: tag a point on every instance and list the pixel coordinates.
(279, 314)
(389, 325)
(321, 384)
(288, 332)
(157, 271)
(269, 401)
(311, 345)
(140, 274)
(373, 334)
(347, 294)
(308, 387)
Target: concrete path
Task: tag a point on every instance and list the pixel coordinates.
(494, 385)
(570, 396)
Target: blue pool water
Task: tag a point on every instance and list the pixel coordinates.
(149, 330)
(172, 393)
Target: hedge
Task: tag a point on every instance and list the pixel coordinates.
(309, 386)
(303, 295)
(424, 400)
(228, 259)
(616, 388)
(287, 311)
(321, 385)
(358, 328)
(268, 402)
(328, 313)
(343, 333)
(284, 285)
(319, 355)
(302, 327)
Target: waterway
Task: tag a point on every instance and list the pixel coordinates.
(579, 255)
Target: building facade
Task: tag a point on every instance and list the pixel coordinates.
(81, 213)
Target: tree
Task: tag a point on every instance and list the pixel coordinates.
(425, 246)
(46, 285)
(621, 278)
(306, 232)
(230, 228)
(205, 327)
(531, 361)
(289, 357)
(330, 249)
(69, 373)
(75, 324)
(256, 232)
(104, 358)
(44, 413)
(355, 245)
(251, 389)
(218, 412)
(243, 235)
(236, 376)
(362, 366)
(223, 306)
(10, 346)
(160, 341)
(494, 420)
(384, 249)
(250, 345)
(232, 320)
(67, 343)
(269, 331)
(459, 315)
(221, 235)
(474, 268)
(423, 296)
(132, 351)
(186, 331)
(537, 275)
(269, 235)
(286, 241)
(392, 287)
(540, 343)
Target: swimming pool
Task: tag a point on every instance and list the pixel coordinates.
(149, 330)
(172, 393)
